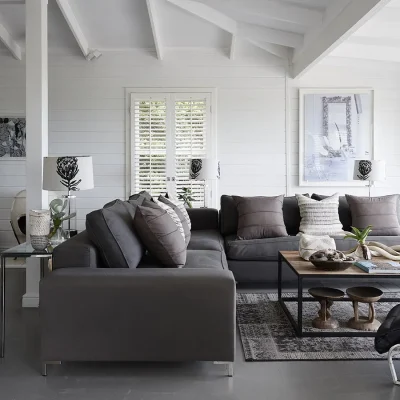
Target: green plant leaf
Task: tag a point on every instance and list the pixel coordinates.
(356, 231)
(351, 236)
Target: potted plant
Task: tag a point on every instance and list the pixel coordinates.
(362, 250)
(186, 196)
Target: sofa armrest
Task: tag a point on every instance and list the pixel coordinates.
(161, 314)
(77, 252)
(203, 218)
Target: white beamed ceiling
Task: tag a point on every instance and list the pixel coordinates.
(283, 28)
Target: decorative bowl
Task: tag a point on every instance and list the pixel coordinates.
(332, 265)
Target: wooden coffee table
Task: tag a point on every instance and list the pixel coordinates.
(304, 270)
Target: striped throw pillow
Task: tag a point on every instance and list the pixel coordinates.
(173, 215)
(320, 217)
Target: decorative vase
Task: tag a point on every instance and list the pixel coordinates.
(58, 237)
(39, 228)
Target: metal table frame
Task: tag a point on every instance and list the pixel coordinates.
(21, 251)
(298, 325)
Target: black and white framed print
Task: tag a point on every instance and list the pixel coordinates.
(12, 137)
(336, 128)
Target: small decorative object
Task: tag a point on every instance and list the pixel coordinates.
(39, 227)
(204, 169)
(362, 250)
(369, 295)
(325, 296)
(335, 129)
(58, 215)
(371, 171)
(18, 216)
(12, 138)
(331, 260)
(309, 244)
(68, 173)
(186, 196)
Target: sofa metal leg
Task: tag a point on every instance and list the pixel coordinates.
(229, 366)
(46, 363)
(392, 351)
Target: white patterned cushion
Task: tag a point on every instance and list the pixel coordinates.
(309, 244)
(320, 217)
(172, 214)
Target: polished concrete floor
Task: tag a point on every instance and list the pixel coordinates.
(20, 377)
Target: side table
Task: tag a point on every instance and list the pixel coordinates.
(24, 250)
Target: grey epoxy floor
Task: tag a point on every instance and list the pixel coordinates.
(20, 377)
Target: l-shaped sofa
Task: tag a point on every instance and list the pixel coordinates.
(151, 313)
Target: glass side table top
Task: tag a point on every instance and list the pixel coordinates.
(26, 250)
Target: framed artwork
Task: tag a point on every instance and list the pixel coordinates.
(12, 137)
(336, 128)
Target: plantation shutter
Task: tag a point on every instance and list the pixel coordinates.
(167, 131)
(191, 120)
(149, 161)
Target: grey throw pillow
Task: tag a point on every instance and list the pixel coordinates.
(260, 217)
(184, 218)
(111, 230)
(380, 212)
(160, 235)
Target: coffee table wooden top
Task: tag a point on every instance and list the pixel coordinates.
(302, 267)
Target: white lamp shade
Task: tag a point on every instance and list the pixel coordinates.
(68, 173)
(204, 169)
(369, 170)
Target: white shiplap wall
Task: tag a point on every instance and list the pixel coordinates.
(384, 78)
(87, 116)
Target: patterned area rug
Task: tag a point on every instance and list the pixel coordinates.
(267, 334)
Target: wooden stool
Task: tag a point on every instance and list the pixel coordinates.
(325, 296)
(368, 295)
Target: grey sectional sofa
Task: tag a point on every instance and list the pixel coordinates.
(149, 313)
(256, 261)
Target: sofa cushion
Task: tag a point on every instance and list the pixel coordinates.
(229, 216)
(145, 195)
(320, 217)
(260, 217)
(344, 210)
(259, 249)
(347, 244)
(380, 212)
(181, 213)
(194, 259)
(206, 240)
(111, 230)
(171, 212)
(160, 234)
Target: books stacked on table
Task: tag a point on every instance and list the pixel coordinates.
(379, 267)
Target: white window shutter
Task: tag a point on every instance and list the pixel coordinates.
(191, 120)
(149, 161)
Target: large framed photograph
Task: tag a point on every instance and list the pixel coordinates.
(336, 128)
(12, 137)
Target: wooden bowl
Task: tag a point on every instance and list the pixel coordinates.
(332, 265)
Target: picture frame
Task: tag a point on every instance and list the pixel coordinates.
(12, 136)
(335, 129)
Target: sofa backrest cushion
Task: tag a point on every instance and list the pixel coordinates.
(344, 210)
(160, 235)
(260, 217)
(229, 215)
(111, 229)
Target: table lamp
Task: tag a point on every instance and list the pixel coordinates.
(70, 173)
(204, 169)
(369, 170)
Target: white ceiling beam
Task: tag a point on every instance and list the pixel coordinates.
(209, 14)
(274, 36)
(275, 49)
(73, 24)
(336, 30)
(232, 50)
(242, 30)
(10, 43)
(155, 27)
(272, 9)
